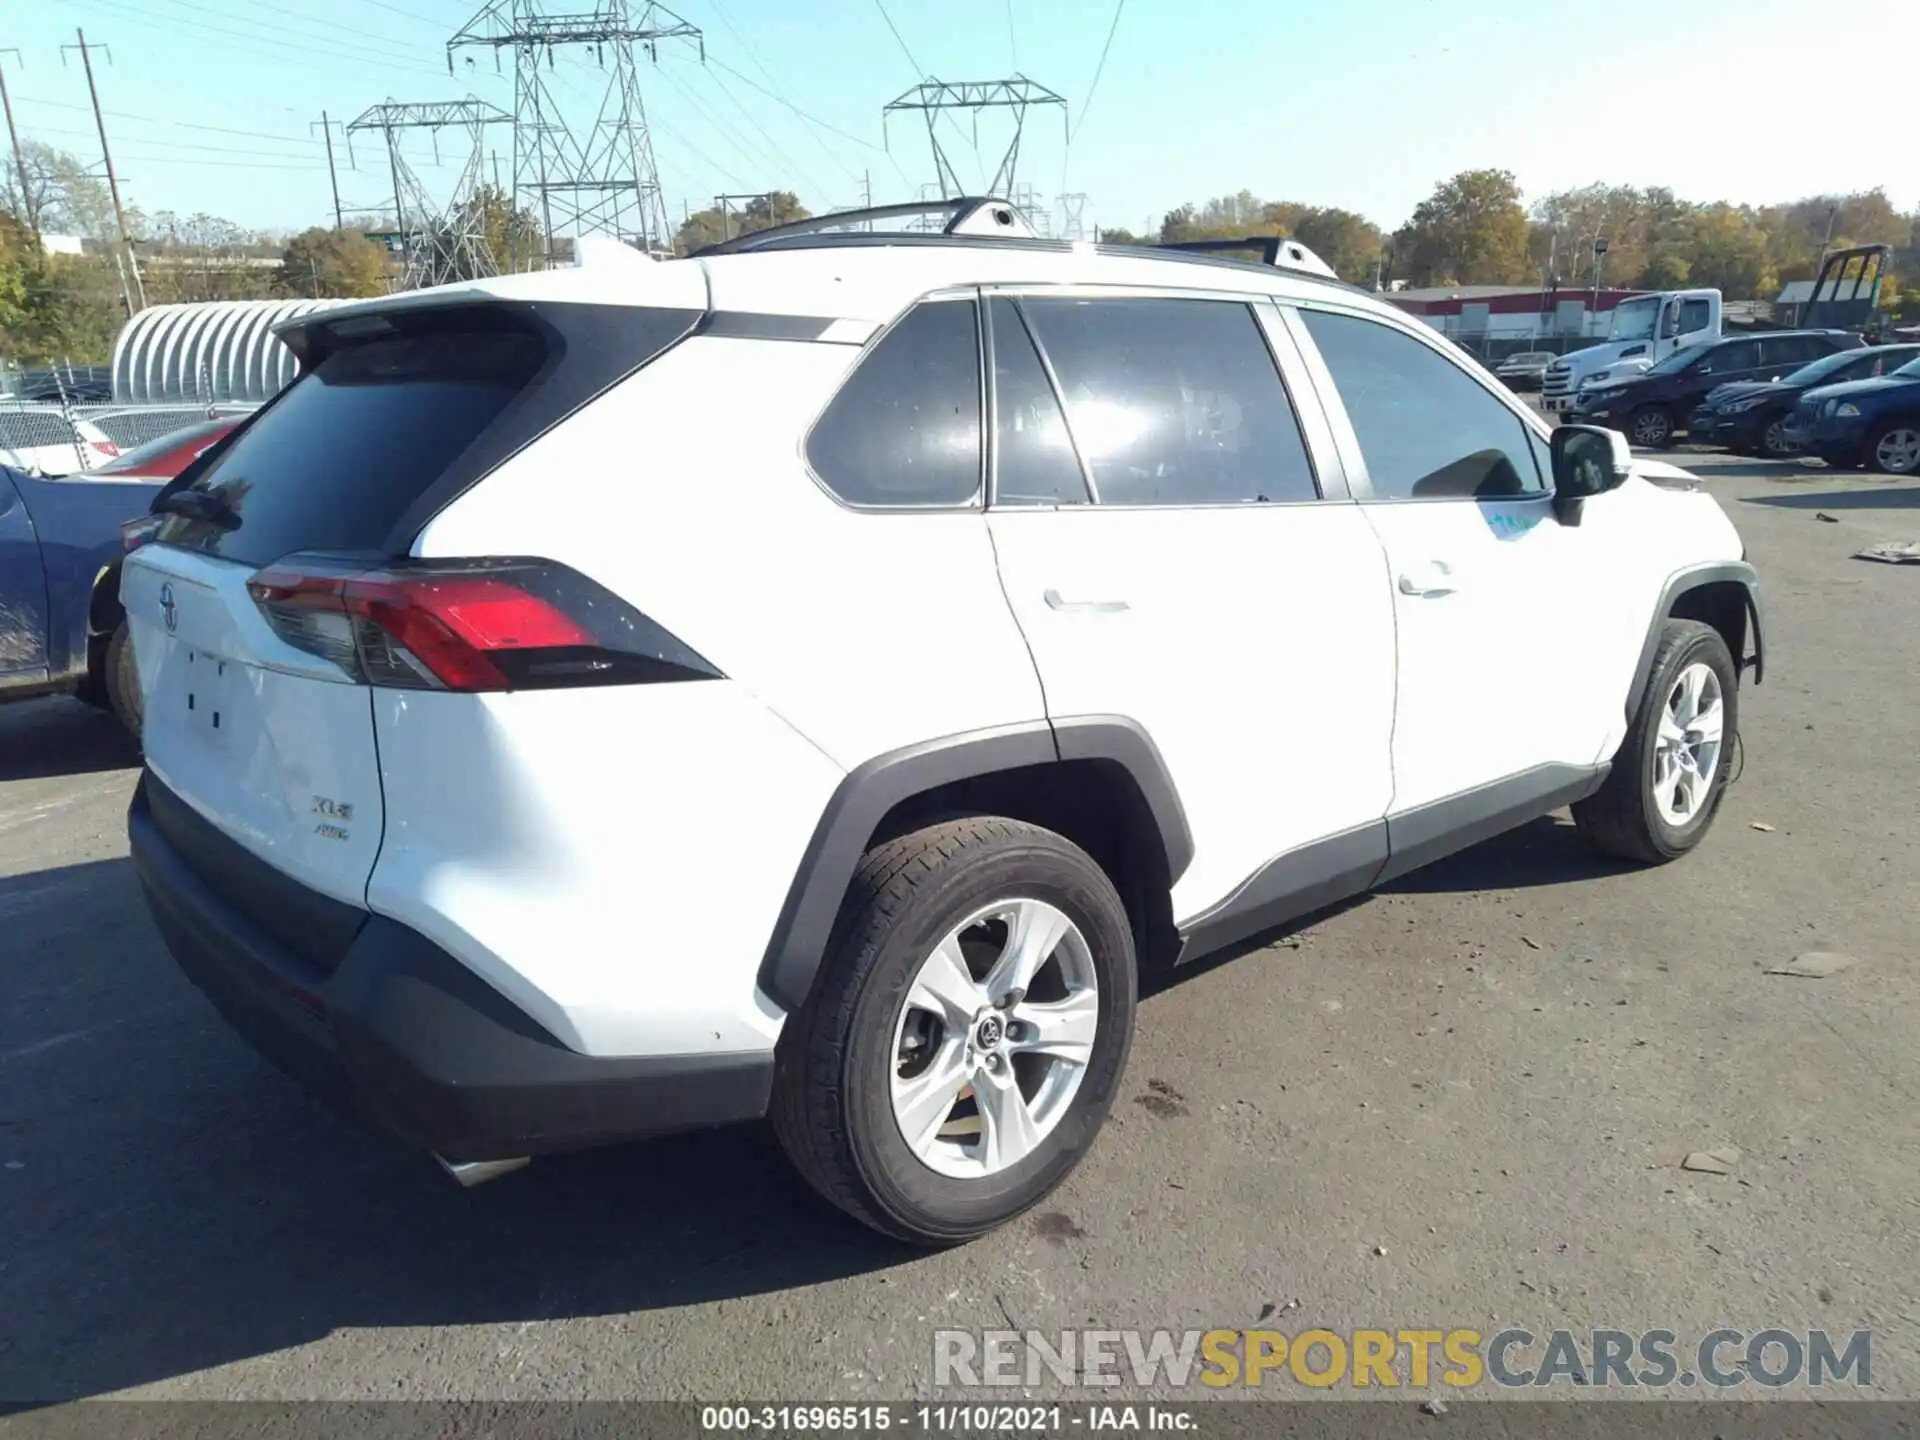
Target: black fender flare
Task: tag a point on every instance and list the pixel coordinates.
(869, 791)
(1678, 584)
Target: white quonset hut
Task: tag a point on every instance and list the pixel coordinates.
(220, 350)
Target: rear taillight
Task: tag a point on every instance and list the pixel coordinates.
(468, 625)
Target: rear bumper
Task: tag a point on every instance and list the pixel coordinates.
(403, 1034)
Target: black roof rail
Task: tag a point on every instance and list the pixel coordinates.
(964, 219)
(968, 216)
(1279, 251)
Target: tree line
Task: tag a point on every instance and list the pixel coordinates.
(1477, 229)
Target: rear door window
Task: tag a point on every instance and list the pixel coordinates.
(1174, 402)
(1729, 360)
(1034, 459)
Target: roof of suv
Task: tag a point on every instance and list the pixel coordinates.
(862, 278)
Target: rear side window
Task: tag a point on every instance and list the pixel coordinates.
(1174, 402)
(905, 428)
(1427, 429)
(339, 458)
(1729, 359)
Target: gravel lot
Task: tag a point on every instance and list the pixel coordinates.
(1491, 1073)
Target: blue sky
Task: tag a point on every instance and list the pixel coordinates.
(1359, 103)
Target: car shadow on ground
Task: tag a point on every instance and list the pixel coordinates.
(61, 736)
(1886, 495)
(1547, 851)
(171, 1203)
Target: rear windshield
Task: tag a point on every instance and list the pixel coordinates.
(339, 458)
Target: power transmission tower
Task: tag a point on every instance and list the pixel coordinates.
(1073, 216)
(1015, 93)
(439, 246)
(1026, 199)
(606, 183)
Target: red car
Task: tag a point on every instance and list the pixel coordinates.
(166, 457)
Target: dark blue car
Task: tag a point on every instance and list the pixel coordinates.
(61, 625)
(1873, 424)
(1751, 417)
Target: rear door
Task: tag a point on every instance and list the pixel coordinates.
(1170, 559)
(274, 742)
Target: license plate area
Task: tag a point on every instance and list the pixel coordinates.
(203, 706)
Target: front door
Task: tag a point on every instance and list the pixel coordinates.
(1171, 560)
(1499, 702)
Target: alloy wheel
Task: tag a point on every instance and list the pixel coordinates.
(1898, 450)
(994, 1038)
(1651, 426)
(1687, 751)
(1773, 439)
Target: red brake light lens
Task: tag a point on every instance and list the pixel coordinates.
(468, 625)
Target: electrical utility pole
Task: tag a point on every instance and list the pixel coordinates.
(333, 176)
(20, 160)
(137, 299)
(724, 204)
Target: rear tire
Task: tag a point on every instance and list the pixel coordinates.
(844, 1098)
(120, 677)
(1895, 448)
(1648, 809)
(1651, 427)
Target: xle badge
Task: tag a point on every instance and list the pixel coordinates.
(334, 811)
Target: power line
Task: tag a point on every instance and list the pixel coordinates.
(813, 127)
(277, 27)
(182, 124)
(1098, 71)
(781, 100)
(302, 50)
(1013, 40)
(904, 50)
(773, 146)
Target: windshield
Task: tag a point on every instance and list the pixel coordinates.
(1633, 319)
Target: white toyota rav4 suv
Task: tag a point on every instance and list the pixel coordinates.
(810, 679)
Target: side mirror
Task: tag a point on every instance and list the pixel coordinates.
(1587, 461)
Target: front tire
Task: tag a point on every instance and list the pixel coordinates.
(967, 1032)
(1670, 774)
(1773, 438)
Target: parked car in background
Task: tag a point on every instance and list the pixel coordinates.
(1870, 423)
(1526, 370)
(166, 457)
(1752, 417)
(40, 439)
(77, 385)
(61, 625)
(1655, 405)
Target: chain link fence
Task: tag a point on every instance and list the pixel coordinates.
(56, 439)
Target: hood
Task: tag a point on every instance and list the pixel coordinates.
(1846, 388)
(1598, 357)
(1742, 389)
(1667, 476)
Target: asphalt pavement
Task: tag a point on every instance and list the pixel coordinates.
(1461, 1103)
